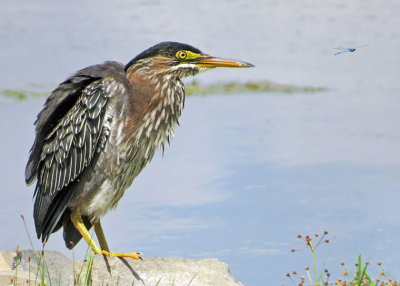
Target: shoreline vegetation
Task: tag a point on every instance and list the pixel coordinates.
(193, 88)
(29, 267)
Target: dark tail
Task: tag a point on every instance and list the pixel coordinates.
(48, 212)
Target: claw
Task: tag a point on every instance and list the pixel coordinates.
(134, 255)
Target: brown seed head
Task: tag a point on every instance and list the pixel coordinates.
(325, 232)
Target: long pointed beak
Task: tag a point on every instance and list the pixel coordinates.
(213, 62)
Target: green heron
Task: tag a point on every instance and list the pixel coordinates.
(97, 131)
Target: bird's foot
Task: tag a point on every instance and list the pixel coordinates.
(134, 255)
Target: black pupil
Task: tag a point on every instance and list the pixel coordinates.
(182, 55)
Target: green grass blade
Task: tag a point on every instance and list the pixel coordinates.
(88, 270)
(30, 240)
(42, 274)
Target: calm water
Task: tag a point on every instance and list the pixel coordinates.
(246, 173)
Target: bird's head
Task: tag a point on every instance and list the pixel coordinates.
(178, 59)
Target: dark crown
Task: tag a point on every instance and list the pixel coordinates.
(167, 49)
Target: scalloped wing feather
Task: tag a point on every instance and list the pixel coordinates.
(66, 151)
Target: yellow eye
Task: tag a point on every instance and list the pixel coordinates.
(181, 55)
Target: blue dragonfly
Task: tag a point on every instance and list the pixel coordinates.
(348, 50)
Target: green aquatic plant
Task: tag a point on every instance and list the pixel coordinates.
(22, 94)
(194, 88)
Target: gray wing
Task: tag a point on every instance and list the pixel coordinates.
(66, 151)
(61, 100)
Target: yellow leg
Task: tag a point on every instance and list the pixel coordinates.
(80, 226)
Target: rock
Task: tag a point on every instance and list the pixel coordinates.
(24, 267)
(114, 271)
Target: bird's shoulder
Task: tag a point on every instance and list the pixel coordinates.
(69, 91)
(77, 103)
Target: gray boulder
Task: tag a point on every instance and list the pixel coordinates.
(151, 271)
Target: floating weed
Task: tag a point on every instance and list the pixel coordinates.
(22, 94)
(191, 88)
(17, 94)
(194, 87)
